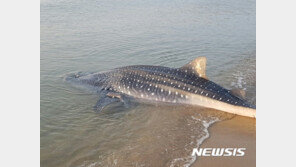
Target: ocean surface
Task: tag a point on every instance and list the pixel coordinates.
(97, 35)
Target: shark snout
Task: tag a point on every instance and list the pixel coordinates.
(73, 76)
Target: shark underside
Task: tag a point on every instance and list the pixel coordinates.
(185, 85)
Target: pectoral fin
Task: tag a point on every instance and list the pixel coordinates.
(109, 98)
(103, 102)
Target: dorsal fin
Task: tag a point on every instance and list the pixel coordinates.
(238, 92)
(197, 66)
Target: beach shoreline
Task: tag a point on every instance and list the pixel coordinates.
(238, 132)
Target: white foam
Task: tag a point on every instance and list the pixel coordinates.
(240, 83)
(189, 160)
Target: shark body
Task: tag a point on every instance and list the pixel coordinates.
(185, 85)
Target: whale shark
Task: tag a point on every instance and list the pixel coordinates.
(185, 85)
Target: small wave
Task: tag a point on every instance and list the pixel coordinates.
(189, 160)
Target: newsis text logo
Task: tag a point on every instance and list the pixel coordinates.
(218, 152)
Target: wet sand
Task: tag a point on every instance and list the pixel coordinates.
(236, 132)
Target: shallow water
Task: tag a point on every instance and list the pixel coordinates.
(97, 35)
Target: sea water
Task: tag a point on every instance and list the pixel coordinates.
(98, 35)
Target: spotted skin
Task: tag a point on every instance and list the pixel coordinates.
(162, 84)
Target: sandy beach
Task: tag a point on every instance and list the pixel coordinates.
(236, 132)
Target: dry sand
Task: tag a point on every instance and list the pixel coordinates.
(237, 132)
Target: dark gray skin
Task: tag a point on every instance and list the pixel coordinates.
(182, 85)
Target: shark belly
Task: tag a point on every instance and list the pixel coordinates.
(222, 106)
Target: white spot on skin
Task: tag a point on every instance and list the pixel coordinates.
(142, 95)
